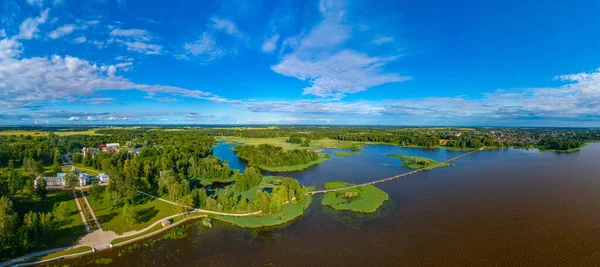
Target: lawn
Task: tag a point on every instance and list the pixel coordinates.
(82, 168)
(365, 199)
(148, 211)
(68, 232)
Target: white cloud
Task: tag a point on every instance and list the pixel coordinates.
(335, 75)
(74, 118)
(136, 34)
(228, 26)
(270, 44)
(80, 40)
(62, 31)
(135, 40)
(37, 3)
(42, 79)
(144, 48)
(332, 70)
(205, 47)
(29, 27)
(9, 48)
(383, 40)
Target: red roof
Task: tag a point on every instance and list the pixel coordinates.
(101, 145)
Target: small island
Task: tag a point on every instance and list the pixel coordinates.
(276, 159)
(415, 163)
(345, 153)
(366, 199)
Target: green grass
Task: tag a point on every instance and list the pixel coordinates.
(69, 231)
(287, 214)
(415, 163)
(293, 168)
(86, 211)
(65, 252)
(127, 238)
(365, 199)
(345, 153)
(82, 168)
(149, 210)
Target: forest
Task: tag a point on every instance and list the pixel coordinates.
(272, 156)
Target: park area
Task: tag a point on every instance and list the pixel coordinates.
(145, 212)
(68, 229)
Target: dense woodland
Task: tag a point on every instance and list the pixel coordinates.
(273, 156)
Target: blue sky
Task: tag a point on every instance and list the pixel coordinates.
(513, 63)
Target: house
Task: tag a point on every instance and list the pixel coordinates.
(114, 145)
(165, 222)
(103, 177)
(84, 179)
(54, 181)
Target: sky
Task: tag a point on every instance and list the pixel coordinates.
(484, 63)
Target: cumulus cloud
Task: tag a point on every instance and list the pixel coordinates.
(42, 79)
(331, 70)
(270, 44)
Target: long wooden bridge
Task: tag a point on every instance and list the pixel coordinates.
(394, 177)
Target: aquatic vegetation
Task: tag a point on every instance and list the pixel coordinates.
(103, 261)
(415, 163)
(360, 199)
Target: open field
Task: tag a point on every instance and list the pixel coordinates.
(68, 232)
(365, 199)
(148, 211)
(281, 142)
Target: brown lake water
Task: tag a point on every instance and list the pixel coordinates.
(494, 208)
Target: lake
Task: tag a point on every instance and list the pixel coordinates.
(503, 207)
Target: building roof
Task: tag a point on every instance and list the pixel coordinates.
(60, 175)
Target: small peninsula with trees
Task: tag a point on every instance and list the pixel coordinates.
(415, 163)
(276, 159)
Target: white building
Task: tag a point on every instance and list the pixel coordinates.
(113, 145)
(103, 177)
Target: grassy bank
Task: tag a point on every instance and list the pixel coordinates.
(365, 199)
(65, 253)
(281, 142)
(293, 168)
(127, 238)
(415, 163)
(287, 214)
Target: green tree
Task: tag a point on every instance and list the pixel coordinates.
(40, 189)
(61, 211)
(71, 179)
(128, 214)
(9, 222)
